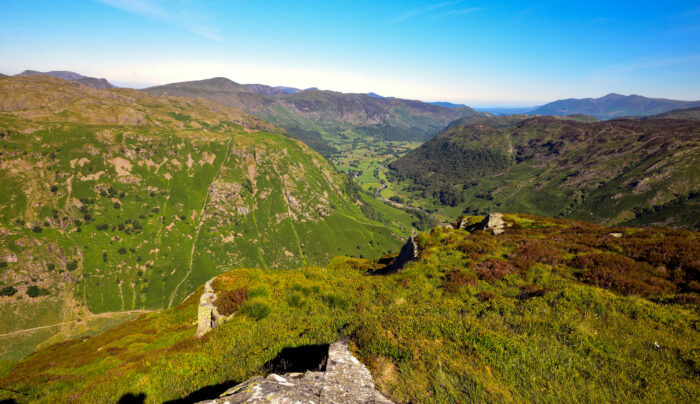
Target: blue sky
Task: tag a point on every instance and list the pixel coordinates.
(481, 53)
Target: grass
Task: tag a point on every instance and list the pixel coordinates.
(448, 328)
(630, 174)
(108, 216)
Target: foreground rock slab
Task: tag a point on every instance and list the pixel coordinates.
(345, 380)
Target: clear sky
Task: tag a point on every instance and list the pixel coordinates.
(476, 52)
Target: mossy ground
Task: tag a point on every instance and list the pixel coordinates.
(507, 318)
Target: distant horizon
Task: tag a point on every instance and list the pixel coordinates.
(504, 105)
(470, 52)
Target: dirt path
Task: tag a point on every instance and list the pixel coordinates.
(107, 314)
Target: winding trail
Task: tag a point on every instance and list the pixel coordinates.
(106, 314)
(200, 221)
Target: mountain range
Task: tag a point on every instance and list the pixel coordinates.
(613, 106)
(161, 246)
(116, 203)
(323, 119)
(71, 76)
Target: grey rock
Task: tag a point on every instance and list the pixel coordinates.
(345, 380)
(463, 223)
(208, 316)
(494, 222)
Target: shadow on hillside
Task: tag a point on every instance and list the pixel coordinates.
(8, 401)
(131, 398)
(384, 266)
(299, 359)
(205, 393)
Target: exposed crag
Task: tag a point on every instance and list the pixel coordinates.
(494, 222)
(345, 380)
(208, 316)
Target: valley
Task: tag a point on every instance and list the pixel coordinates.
(119, 205)
(104, 216)
(327, 121)
(218, 202)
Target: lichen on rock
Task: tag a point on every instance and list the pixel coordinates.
(494, 222)
(345, 380)
(208, 316)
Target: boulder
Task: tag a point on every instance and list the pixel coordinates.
(494, 222)
(208, 316)
(345, 380)
(463, 223)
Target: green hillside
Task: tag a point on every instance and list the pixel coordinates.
(689, 113)
(326, 120)
(115, 202)
(549, 311)
(641, 171)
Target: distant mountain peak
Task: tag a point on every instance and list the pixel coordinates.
(447, 104)
(94, 82)
(613, 105)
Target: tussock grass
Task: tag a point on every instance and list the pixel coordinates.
(436, 332)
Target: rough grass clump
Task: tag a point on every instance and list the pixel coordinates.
(495, 268)
(533, 251)
(256, 310)
(570, 341)
(230, 301)
(622, 274)
(456, 280)
(335, 301)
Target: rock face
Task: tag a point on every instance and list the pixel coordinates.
(463, 223)
(345, 380)
(409, 252)
(208, 316)
(494, 222)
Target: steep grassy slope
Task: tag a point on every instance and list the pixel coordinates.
(550, 311)
(606, 172)
(116, 202)
(613, 106)
(323, 118)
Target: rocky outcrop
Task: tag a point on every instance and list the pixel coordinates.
(408, 253)
(208, 316)
(494, 222)
(462, 223)
(345, 380)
